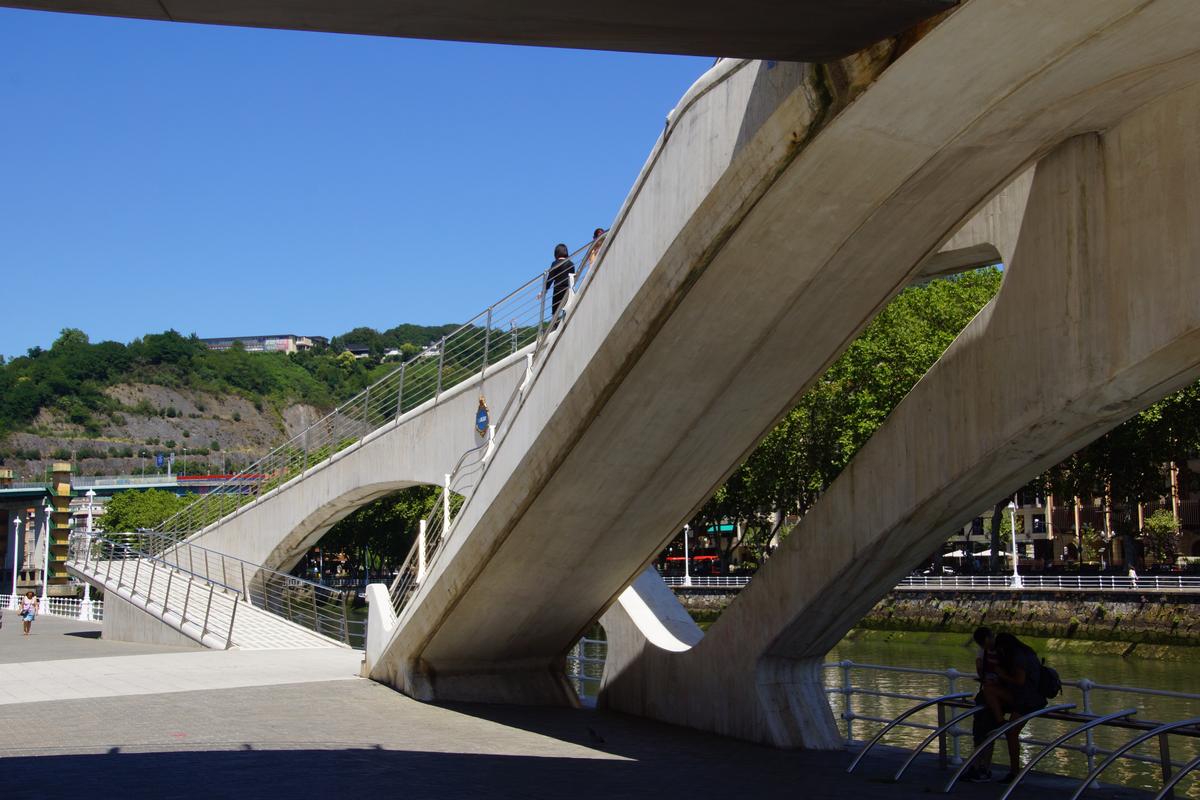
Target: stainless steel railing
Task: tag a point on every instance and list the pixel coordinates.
(507, 326)
(1142, 583)
(314, 606)
(1088, 718)
(203, 608)
(460, 483)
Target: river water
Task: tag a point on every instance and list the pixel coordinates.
(1181, 676)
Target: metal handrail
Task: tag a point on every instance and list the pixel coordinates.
(919, 707)
(1116, 583)
(997, 733)
(1132, 743)
(319, 608)
(430, 537)
(1087, 726)
(461, 354)
(87, 541)
(941, 730)
(1169, 786)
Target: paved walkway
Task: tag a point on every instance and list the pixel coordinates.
(62, 660)
(156, 731)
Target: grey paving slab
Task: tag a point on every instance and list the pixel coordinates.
(354, 738)
(55, 638)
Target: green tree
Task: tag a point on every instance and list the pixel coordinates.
(130, 510)
(386, 527)
(797, 460)
(1161, 534)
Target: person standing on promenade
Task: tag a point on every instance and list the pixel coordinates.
(559, 281)
(29, 609)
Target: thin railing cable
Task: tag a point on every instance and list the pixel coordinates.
(515, 321)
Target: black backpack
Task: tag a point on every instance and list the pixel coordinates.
(1049, 684)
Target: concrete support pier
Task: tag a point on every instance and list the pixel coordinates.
(1099, 312)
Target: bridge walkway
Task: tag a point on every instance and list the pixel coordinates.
(203, 610)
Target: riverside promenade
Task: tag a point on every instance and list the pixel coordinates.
(79, 712)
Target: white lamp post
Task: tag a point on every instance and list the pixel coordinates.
(1012, 515)
(46, 556)
(687, 559)
(85, 608)
(16, 559)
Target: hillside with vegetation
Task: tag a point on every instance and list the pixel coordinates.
(111, 407)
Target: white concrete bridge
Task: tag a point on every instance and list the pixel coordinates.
(783, 206)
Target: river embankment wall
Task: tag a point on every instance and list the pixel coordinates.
(1125, 624)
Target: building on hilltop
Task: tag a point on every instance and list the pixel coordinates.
(275, 343)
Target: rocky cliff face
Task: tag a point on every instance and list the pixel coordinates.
(153, 419)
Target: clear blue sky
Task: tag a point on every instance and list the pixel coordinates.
(236, 181)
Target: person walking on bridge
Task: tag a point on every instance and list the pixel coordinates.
(558, 280)
(28, 611)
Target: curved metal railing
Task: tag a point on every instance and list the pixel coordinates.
(504, 328)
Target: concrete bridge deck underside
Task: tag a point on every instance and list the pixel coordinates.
(785, 206)
(808, 30)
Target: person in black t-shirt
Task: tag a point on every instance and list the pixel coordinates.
(558, 281)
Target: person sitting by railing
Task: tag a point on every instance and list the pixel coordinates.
(1015, 692)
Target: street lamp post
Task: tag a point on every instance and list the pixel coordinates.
(687, 558)
(85, 608)
(46, 555)
(16, 559)
(1012, 515)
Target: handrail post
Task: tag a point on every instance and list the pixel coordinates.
(542, 308)
(420, 552)
(167, 596)
(1085, 689)
(150, 588)
(232, 617)
(847, 700)
(207, 611)
(1164, 758)
(487, 340)
(441, 362)
(187, 595)
(400, 392)
(245, 586)
(137, 570)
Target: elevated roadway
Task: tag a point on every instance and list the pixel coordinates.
(800, 30)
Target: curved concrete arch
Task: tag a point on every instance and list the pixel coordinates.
(757, 247)
(1100, 311)
(420, 447)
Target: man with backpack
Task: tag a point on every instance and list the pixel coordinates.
(1022, 685)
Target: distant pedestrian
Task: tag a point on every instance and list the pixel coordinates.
(593, 252)
(1133, 577)
(558, 280)
(28, 610)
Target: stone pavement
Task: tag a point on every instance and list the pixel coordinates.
(350, 737)
(57, 662)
